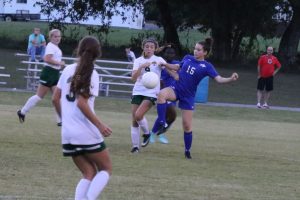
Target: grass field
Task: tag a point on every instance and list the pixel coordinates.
(238, 154)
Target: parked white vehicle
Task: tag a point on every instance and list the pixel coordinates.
(12, 10)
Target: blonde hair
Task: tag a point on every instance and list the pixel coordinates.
(53, 31)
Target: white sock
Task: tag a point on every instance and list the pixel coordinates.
(81, 189)
(31, 102)
(144, 125)
(97, 185)
(135, 136)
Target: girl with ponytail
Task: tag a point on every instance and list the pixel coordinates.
(193, 69)
(82, 131)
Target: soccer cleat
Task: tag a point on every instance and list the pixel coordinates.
(152, 138)
(162, 128)
(187, 155)
(266, 106)
(146, 140)
(258, 105)
(135, 150)
(59, 124)
(21, 116)
(163, 139)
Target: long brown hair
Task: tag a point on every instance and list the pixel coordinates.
(88, 50)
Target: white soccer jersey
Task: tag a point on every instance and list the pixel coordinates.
(54, 50)
(139, 88)
(76, 128)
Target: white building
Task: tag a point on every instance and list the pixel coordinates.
(27, 10)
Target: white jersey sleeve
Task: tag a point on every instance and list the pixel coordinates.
(94, 88)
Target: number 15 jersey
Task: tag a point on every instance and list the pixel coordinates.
(191, 73)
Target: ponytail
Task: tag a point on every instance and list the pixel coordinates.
(88, 51)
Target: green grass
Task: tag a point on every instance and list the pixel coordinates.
(238, 154)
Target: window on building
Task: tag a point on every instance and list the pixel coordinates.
(21, 1)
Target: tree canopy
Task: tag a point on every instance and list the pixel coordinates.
(233, 23)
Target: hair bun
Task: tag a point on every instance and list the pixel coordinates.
(209, 41)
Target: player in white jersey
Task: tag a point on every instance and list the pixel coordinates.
(82, 131)
(49, 75)
(143, 98)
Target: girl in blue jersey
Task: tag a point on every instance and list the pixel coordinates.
(168, 52)
(193, 70)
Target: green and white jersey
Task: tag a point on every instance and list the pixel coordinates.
(139, 88)
(76, 128)
(54, 50)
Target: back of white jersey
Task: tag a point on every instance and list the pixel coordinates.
(76, 128)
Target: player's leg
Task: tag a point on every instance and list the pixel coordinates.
(187, 117)
(103, 162)
(89, 171)
(164, 95)
(58, 118)
(32, 101)
(135, 130)
(170, 118)
(140, 118)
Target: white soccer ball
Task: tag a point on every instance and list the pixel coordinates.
(150, 80)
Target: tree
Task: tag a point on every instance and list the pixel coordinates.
(228, 21)
(77, 10)
(290, 40)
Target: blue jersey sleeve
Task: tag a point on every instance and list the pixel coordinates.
(211, 71)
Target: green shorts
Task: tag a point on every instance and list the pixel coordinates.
(137, 99)
(49, 76)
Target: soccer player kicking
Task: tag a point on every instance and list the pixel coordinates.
(193, 70)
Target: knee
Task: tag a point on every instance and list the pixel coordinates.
(138, 117)
(161, 98)
(89, 174)
(134, 123)
(187, 127)
(107, 167)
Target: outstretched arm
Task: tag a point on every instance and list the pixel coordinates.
(173, 73)
(174, 67)
(221, 79)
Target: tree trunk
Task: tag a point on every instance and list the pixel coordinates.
(221, 32)
(290, 40)
(170, 30)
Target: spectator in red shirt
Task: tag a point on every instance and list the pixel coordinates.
(268, 66)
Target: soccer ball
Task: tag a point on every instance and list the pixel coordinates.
(150, 80)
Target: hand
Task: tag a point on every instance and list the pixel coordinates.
(234, 76)
(105, 130)
(62, 63)
(147, 64)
